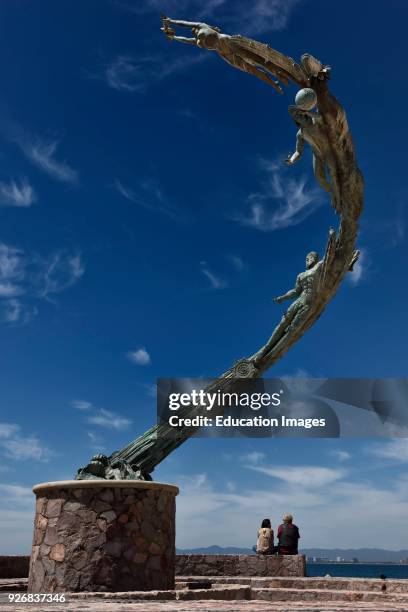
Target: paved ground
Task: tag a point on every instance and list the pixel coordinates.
(210, 606)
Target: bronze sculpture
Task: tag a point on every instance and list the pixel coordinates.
(326, 130)
(311, 130)
(211, 38)
(305, 291)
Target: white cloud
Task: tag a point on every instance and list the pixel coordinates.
(124, 74)
(25, 277)
(100, 417)
(309, 476)
(140, 356)
(15, 493)
(134, 75)
(238, 263)
(42, 153)
(253, 458)
(14, 311)
(149, 195)
(27, 447)
(96, 442)
(126, 192)
(16, 194)
(7, 430)
(12, 271)
(81, 404)
(8, 290)
(32, 276)
(396, 450)
(263, 15)
(60, 272)
(11, 263)
(20, 447)
(108, 419)
(341, 455)
(215, 281)
(283, 201)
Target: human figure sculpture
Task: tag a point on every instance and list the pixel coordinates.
(250, 57)
(312, 131)
(227, 47)
(306, 289)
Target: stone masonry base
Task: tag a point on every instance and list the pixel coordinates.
(97, 535)
(240, 565)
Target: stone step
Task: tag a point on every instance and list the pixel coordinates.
(277, 594)
(222, 592)
(337, 584)
(246, 593)
(347, 584)
(13, 585)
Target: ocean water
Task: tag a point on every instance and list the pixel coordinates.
(358, 570)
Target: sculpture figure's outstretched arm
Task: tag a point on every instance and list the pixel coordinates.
(299, 115)
(289, 295)
(184, 39)
(183, 24)
(171, 34)
(300, 145)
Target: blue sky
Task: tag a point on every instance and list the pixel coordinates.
(130, 250)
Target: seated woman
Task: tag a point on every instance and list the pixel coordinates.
(264, 544)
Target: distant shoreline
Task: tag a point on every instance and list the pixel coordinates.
(322, 556)
(355, 563)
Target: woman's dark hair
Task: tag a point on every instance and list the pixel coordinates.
(266, 523)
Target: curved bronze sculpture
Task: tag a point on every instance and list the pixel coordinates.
(335, 167)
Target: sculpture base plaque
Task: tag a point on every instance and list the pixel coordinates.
(102, 535)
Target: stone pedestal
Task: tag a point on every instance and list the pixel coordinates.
(96, 535)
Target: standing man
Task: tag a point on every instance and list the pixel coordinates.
(288, 536)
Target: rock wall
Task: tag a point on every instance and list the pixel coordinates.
(240, 565)
(101, 536)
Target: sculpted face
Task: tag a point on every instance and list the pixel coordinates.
(311, 259)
